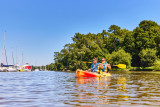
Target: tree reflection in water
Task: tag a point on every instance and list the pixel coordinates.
(93, 90)
(121, 97)
(100, 90)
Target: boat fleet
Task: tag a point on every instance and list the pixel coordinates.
(4, 67)
(18, 68)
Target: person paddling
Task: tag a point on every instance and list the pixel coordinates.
(94, 66)
(104, 65)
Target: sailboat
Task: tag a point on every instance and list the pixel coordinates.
(3, 58)
(8, 68)
(11, 68)
(2, 68)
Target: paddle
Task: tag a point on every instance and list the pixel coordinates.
(123, 66)
(120, 66)
(108, 59)
(92, 62)
(87, 62)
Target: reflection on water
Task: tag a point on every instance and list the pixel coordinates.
(133, 89)
(63, 89)
(122, 83)
(95, 90)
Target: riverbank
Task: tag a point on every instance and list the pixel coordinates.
(138, 69)
(127, 69)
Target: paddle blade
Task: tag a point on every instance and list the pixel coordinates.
(87, 62)
(121, 66)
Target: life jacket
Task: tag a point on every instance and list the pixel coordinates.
(99, 70)
(105, 68)
(94, 67)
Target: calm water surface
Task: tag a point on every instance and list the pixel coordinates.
(49, 88)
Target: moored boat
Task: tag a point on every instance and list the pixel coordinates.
(25, 68)
(3, 69)
(37, 69)
(11, 69)
(81, 73)
(7, 68)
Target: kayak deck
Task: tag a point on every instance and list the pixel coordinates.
(81, 73)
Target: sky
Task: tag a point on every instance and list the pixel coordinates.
(38, 28)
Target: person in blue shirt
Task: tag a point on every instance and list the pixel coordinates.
(94, 66)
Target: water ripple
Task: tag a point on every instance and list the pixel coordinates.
(39, 89)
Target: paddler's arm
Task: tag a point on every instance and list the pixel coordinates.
(108, 66)
(86, 70)
(89, 70)
(101, 66)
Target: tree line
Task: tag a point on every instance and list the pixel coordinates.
(137, 48)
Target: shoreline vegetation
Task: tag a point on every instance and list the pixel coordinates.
(139, 49)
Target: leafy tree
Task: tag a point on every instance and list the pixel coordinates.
(129, 42)
(146, 36)
(121, 57)
(122, 45)
(156, 65)
(147, 57)
(146, 25)
(114, 35)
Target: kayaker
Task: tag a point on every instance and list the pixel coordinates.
(104, 65)
(94, 66)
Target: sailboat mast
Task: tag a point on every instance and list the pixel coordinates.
(22, 57)
(3, 51)
(11, 57)
(2, 57)
(4, 47)
(16, 56)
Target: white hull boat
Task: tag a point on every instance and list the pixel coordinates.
(10, 69)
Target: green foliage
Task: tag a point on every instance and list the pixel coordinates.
(147, 57)
(121, 57)
(156, 65)
(146, 25)
(146, 36)
(51, 67)
(139, 47)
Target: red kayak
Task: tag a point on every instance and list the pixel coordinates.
(81, 73)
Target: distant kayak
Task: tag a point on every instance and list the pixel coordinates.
(81, 73)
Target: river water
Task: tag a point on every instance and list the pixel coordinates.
(50, 89)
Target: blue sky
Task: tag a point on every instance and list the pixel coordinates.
(41, 27)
